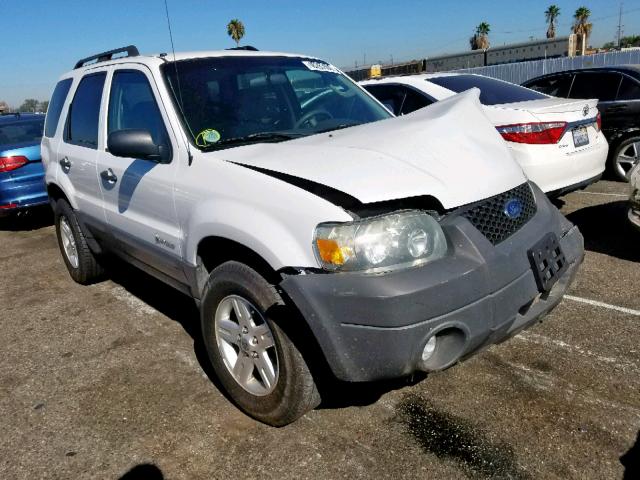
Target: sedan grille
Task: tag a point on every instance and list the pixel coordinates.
(502, 215)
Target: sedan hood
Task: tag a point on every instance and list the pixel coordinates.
(448, 150)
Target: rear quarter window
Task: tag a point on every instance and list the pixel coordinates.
(492, 91)
(55, 107)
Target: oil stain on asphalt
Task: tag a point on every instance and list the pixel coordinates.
(448, 436)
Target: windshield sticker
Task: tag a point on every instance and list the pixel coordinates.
(320, 66)
(206, 137)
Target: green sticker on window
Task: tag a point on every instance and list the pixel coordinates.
(206, 137)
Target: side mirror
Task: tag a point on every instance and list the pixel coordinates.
(136, 144)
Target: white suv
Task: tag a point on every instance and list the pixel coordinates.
(316, 232)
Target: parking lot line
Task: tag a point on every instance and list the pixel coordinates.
(596, 303)
(605, 194)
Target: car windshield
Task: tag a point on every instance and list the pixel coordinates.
(492, 91)
(21, 132)
(227, 101)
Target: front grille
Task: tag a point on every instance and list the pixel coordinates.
(491, 218)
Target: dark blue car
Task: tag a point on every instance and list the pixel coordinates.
(21, 172)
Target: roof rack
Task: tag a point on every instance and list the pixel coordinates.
(130, 50)
(246, 47)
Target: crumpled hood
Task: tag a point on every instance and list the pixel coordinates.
(448, 150)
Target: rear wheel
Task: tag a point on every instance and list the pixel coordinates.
(257, 363)
(78, 257)
(625, 157)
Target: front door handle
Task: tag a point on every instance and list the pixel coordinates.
(109, 176)
(617, 108)
(65, 163)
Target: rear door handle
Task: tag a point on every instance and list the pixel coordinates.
(617, 108)
(65, 163)
(109, 176)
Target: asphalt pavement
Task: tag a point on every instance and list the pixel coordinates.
(110, 381)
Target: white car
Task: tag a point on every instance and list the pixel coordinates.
(318, 234)
(557, 141)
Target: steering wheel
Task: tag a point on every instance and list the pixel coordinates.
(313, 114)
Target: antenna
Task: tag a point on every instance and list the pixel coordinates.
(175, 65)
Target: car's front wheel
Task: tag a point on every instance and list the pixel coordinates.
(255, 360)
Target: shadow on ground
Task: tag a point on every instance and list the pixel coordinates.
(182, 309)
(145, 471)
(631, 461)
(32, 219)
(606, 229)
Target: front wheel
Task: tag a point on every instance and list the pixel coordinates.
(257, 363)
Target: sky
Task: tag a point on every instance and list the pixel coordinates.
(42, 39)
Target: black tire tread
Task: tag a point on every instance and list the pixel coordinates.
(89, 269)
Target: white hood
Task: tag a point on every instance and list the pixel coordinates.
(448, 150)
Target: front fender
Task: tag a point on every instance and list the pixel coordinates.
(280, 238)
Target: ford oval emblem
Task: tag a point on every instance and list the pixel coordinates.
(585, 111)
(513, 208)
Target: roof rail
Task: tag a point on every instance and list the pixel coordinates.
(131, 51)
(246, 47)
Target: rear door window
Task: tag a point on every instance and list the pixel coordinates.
(492, 91)
(600, 85)
(84, 112)
(629, 89)
(556, 86)
(55, 106)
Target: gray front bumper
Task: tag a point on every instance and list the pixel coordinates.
(375, 326)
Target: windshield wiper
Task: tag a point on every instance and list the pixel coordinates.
(253, 138)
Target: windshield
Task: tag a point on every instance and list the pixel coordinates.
(21, 132)
(232, 100)
(492, 91)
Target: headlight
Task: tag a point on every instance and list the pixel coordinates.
(390, 241)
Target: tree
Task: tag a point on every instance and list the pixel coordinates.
(235, 29)
(581, 26)
(3, 106)
(29, 105)
(551, 14)
(480, 40)
(43, 106)
(630, 41)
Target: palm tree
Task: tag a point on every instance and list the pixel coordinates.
(235, 29)
(551, 15)
(581, 26)
(480, 40)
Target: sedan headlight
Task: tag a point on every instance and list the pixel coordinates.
(386, 242)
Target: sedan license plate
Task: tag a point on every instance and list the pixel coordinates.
(580, 136)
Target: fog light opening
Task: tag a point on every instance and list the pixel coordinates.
(429, 349)
(442, 349)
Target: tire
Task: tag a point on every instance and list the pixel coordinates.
(83, 267)
(291, 391)
(620, 170)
